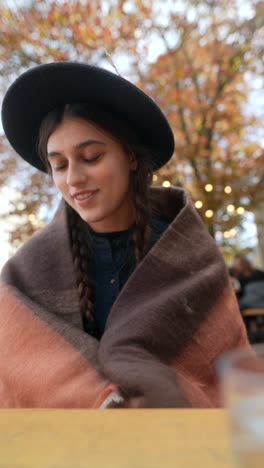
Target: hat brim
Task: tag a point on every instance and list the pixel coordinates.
(41, 89)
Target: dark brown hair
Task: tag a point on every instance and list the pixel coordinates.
(140, 182)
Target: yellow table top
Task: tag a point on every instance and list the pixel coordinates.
(178, 438)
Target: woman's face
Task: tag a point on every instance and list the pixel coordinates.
(92, 172)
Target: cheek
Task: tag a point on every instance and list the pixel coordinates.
(115, 171)
(60, 184)
(119, 180)
(57, 182)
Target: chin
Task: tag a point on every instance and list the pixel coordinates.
(91, 219)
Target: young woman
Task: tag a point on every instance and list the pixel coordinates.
(123, 300)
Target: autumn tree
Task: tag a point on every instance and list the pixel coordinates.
(203, 78)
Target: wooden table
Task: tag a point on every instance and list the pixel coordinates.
(114, 439)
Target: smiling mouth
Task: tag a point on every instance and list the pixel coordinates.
(84, 196)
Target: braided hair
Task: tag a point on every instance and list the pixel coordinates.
(140, 182)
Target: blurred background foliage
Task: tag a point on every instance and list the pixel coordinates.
(202, 61)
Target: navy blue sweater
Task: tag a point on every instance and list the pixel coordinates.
(112, 263)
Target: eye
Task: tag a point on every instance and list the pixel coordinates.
(59, 168)
(93, 159)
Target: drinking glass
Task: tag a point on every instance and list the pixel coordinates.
(242, 388)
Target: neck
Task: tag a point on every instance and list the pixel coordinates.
(123, 220)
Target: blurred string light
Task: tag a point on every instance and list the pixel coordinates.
(35, 221)
(198, 204)
(209, 213)
(32, 218)
(230, 208)
(166, 183)
(231, 233)
(209, 188)
(228, 189)
(240, 210)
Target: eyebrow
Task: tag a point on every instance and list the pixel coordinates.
(81, 145)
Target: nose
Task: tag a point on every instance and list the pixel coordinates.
(75, 175)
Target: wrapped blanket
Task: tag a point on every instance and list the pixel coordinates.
(176, 314)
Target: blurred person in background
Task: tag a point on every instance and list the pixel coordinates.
(234, 281)
(250, 295)
(251, 280)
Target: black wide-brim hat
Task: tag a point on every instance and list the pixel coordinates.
(45, 87)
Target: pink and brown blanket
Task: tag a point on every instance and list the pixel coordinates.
(174, 317)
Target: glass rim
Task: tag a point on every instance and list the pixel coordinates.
(227, 360)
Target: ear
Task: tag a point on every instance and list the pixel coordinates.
(133, 163)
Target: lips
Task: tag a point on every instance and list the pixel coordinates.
(85, 198)
(84, 195)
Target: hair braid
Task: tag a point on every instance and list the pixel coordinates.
(81, 260)
(141, 232)
(140, 180)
